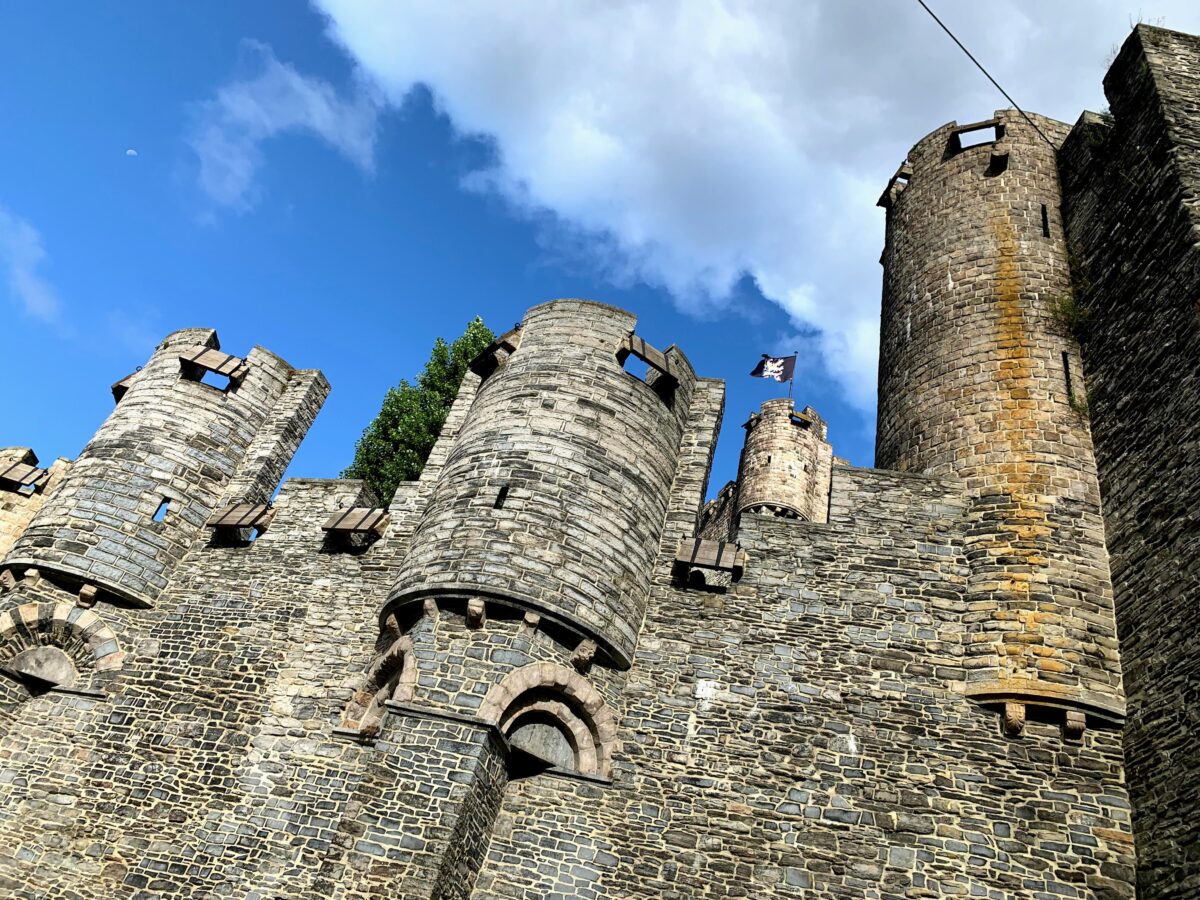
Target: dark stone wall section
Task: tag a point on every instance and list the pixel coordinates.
(1130, 183)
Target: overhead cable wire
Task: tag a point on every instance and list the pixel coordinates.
(979, 66)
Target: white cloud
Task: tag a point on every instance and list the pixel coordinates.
(21, 256)
(230, 130)
(690, 142)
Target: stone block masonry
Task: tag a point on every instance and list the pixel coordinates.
(142, 489)
(563, 471)
(906, 684)
(1130, 183)
(975, 381)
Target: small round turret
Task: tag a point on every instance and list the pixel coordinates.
(144, 486)
(786, 464)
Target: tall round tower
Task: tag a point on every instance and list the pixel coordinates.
(979, 378)
(146, 483)
(786, 464)
(555, 493)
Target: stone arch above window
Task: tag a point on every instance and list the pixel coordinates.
(47, 645)
(554, 713)
(391, 677)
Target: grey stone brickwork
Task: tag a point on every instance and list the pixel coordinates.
(1130, 181)
(910, 686)
(975, 381)
(562, 471)
(17, 506)
(170, 440)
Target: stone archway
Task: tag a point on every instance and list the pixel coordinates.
(561, 699)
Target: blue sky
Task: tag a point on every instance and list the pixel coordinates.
(344, 183)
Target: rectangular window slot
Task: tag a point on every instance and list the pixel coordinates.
(501, 496)
(636, 367)
(121, 388)
(212, 368)
(355, 528)
(968, 139)
(496, 354)
(1045, 221)
(1066, 360)
(161, 513)
(719, 556)
(976, 134)
(213, 380)
(240, 523)
(648, 364)
(23, 478)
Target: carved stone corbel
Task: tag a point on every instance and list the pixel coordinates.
(1074, 724)
(1014, 719)
(583, 656)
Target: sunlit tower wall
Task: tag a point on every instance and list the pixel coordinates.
(192, 429)
(786, 463)
(979, 377)
(554, 496)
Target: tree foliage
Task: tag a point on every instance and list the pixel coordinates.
(394, 447)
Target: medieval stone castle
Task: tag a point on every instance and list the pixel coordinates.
(550, 670)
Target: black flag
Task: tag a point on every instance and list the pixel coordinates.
(781, 368)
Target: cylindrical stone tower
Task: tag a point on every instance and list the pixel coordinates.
(979, 377)
(554, 496)
(786, 463)
(144, 486)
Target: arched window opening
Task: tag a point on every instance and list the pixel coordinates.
(40, 669)
(46, 647)
(553, 715)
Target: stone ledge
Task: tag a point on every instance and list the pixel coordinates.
(403, 597)
(429, 712)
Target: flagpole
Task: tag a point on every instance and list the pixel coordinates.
(792, 380)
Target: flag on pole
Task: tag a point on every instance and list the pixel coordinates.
(781, 368)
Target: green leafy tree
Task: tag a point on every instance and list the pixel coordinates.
(394, 447)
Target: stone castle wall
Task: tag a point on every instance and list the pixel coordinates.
(978, 379)
(800, 731)
(519, 691)
(1129, 185)
(804, 733)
